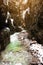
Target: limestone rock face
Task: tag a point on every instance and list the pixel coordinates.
(28, 14)
(18, 7)
(37, 29)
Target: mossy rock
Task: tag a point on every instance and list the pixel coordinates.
(14, 46)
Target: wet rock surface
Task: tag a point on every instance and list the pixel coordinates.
(4, 38)
(37, 29)
(22, 57)
(16, 55)
(7, 27)
(22, 51)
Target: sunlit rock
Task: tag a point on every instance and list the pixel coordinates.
(24, 1)
(24, 12)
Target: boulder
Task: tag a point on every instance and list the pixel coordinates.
(4, 38)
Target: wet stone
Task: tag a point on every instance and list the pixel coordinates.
(4, 38)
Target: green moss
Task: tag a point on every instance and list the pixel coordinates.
(14, 46)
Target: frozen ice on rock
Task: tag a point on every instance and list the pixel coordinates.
(18, 64)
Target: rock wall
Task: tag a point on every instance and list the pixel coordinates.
(36, 7)
(1, 1)
(17, 8)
